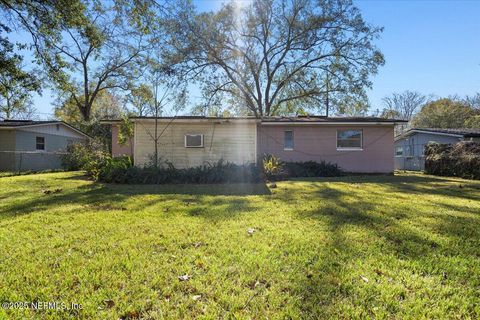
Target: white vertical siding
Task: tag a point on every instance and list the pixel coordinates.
(231, 141)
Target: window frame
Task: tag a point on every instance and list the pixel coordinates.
(396, 153)
(293, 140)
(39, 143)
(350, 148)
(194, 134)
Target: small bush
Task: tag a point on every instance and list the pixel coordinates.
(461, 159)
(77, 154)
(94, 160)
(274, 168)
(111, 169)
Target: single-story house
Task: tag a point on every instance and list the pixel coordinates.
(356, 144)
(35, 145)
(410, 145)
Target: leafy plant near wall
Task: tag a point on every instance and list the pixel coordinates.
(94, 160)
(219, 172)
(77, 155)
(274, 168)
(102, 167)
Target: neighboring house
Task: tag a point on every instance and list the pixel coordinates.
(410, 145)
(35, 145)
(356, 144)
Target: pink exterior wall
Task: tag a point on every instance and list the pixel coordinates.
(117, 149)
(319, 142)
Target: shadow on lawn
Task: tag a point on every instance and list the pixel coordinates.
(415, 184)
(194, 198)
(339, 208)
(383, 226)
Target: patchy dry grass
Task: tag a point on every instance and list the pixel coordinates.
(406, 246)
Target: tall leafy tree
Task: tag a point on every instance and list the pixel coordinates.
(473, 122)
(42, 16)
(92, 58)
(443, 113)
(141, 99)
(16, 84)
(106, 106)
(267, 54)
(85, 46)
(352, 105)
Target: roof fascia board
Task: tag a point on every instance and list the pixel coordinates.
(332, 123)
(177, 120)
(458, 135)
(45, 124)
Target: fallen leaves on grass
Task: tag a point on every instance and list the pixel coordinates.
(109, 303)
(185, 277)
(48, 191)
(196, 297)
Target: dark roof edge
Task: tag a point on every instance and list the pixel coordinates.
(26, 123)
(439, 131)
(300, 119)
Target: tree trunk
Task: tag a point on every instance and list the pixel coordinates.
(156, 139)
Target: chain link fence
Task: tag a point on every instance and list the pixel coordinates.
(30, 160)
(410, 157)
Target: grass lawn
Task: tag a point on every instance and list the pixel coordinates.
(400, 247)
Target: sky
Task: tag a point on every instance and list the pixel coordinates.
(432, 47)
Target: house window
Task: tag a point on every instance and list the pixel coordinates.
(349, 139)
(288, 140)
(40, 142)
(398, 151)
(194, 141)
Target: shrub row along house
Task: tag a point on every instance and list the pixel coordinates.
(410, 145)
(35, 145)
(356, 144)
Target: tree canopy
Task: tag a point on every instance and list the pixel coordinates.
(444, 113)
(16, 84)
(84, 46)
(266, 54)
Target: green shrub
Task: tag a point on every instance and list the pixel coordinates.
(103, 167)
(111, 169)
(312, 169)
(461, 159)
(94, 160)
(274, 168)
(77, 154)
(219, 172)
